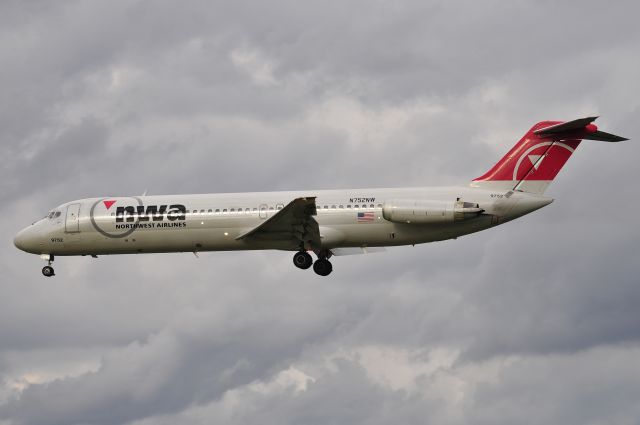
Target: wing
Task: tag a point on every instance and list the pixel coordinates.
(294, 223)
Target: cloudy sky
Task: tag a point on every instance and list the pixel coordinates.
(536, 321)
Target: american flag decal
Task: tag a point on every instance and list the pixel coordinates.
(364, 217)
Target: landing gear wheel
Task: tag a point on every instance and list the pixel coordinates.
(48, 271)
(322, 267)
(302, 260)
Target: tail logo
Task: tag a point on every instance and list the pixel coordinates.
(535, 160)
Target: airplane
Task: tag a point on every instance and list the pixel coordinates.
(324, 222)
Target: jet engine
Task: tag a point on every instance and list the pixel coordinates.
(429, 212)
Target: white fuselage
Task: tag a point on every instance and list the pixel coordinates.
(212, 222)
(326, 222)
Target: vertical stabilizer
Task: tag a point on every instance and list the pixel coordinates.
(533, 163)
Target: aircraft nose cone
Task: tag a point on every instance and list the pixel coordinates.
(26, 241)
(18, 241)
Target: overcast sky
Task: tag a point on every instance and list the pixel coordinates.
(536, 321)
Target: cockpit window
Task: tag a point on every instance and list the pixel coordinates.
(57, 214)
(53, 214)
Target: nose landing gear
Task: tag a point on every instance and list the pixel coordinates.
(48, 270)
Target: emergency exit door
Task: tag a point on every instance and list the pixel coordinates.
(263, 211)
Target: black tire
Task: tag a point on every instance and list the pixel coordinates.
(302, 260)
(322, 267)
(48, 271)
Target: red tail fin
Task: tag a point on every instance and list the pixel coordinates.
(533, 163)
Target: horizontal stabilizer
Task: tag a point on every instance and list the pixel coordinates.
(580, 129)
(578, 124)
(604, 137)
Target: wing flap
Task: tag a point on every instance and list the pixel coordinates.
(339, 252)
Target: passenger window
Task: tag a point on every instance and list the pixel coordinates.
(224, 211)
(356, 206)
(326, 207)
(202, 211)
(232, 210)
(210, 211)
(333, 206)
(247, 210)
(372, 206)
(271, 209)
(364, 205)
(255, 210)
(349, 206)
(379, 205)
(341, 206)
(217, 210)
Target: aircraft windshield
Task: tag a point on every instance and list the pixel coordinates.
(53, 214)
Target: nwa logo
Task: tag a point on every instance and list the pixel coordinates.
(143, 213)
(130, 217)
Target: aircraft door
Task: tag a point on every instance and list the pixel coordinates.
(263, 210)
(72, 221)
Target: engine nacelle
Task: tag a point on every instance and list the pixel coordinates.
(429, 212)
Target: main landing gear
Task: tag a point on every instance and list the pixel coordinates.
(48, 270)
(322, 266)
(302, 260)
